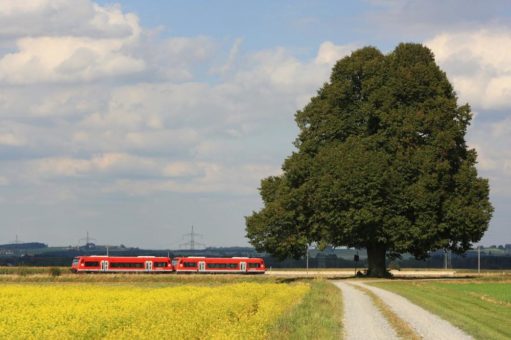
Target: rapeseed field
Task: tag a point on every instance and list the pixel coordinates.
(87, 311)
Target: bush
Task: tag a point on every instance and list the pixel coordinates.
(23, 271)
(55, 271)
(394, 266)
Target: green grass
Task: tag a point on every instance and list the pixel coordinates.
(496, 292)
(480, 307)
(165, 279)
(25, 270)
(318, 316)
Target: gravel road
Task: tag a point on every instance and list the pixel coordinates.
(425, 324)
(361, 318)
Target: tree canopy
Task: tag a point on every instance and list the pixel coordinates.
(381, 163)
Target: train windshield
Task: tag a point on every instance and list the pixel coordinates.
(75, 261)
(175, 262)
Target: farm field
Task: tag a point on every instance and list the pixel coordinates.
(481, 307)
(37, 305)
(85, 311)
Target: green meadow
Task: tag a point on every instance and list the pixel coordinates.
(480, 307)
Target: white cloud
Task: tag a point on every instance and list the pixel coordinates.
(478, 63)
(329, 53)
(96, 108)
(182, 169)
(174, 59)
(67, 41)
(11, 139)
(121, 172)
(206, 178)
(107, 163)
(53, 17)
(412, 20)
(4, 181)
(167, 129)
(65, 59)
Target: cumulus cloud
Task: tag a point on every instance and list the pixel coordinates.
(478, 63)
(95, 108)
(11, 139)
(329, 53)
(76, 18)
(213, 178)
(134, 175)
(416, 19)
(107, 163)
(64, 41)
(174, 133)
(64, 59)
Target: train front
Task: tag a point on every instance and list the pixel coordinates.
(74, 265)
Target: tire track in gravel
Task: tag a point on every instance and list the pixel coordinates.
(426, 324)
(362, 320)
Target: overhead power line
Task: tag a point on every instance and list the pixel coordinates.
(193, 242)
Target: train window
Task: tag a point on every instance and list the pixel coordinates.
(189, 264)
(160, 264)
(126, 265)
(254, 265)
(222, 265)
(75, 262)
(91, 264)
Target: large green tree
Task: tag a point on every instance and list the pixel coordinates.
(380, 163)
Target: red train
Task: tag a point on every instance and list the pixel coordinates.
(123, 264)
(243, 265)
(152, 264)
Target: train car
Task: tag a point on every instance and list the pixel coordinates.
(234, 265)
(121, 264)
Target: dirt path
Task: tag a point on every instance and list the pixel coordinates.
(425, 324)
(361, 318)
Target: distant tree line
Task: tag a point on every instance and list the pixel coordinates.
(20, 246)
(321, 260)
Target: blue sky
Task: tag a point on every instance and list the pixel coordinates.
(134, 120)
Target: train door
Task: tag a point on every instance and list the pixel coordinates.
(202, 266)
(243, 267)
(148, 265)
(104, 266)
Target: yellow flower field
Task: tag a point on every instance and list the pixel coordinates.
(86, 311)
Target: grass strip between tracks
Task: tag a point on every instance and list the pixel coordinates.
(401, 327)
(318, 316)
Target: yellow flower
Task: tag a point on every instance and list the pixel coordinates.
(92, 311)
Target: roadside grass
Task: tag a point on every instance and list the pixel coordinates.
(25, 270)
(153, 279)
(318, 316)
(480, 307)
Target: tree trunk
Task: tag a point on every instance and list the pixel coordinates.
(376, 260)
